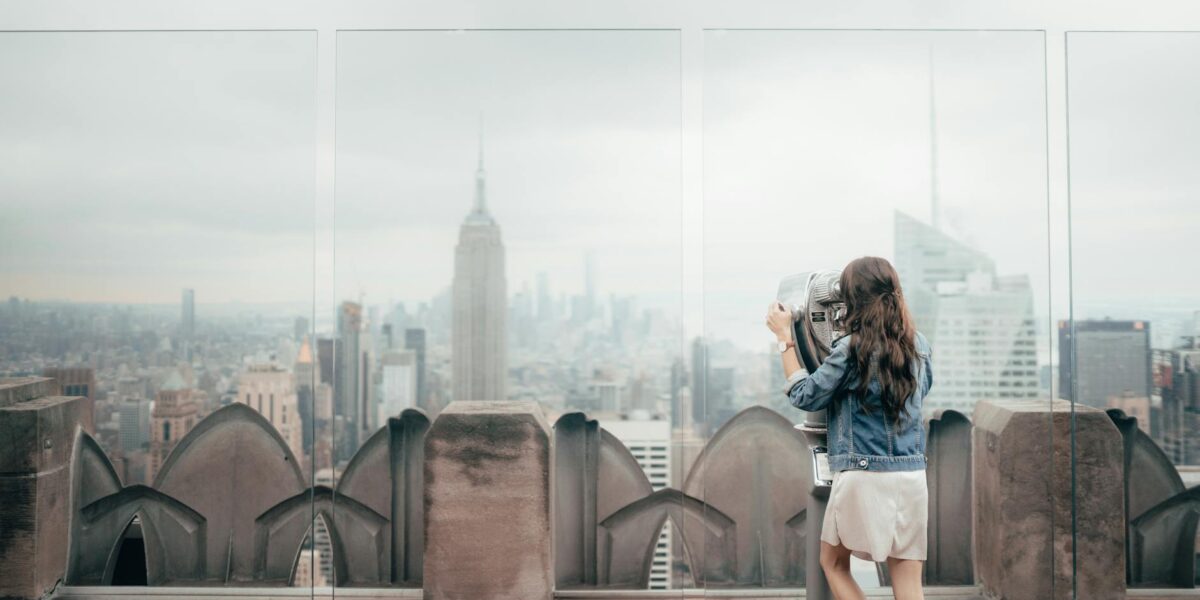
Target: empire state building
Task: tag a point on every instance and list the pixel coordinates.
(478, 346)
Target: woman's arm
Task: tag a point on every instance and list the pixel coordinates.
(927, 365)
(807, 392)
(779, 321)
(816, 391)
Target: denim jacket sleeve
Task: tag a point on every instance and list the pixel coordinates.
(926, 365)
(816, 391)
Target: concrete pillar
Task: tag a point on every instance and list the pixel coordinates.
(1023, 501)
(487, 503)
(37, 432)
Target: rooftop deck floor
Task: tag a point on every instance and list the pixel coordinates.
(252, 593)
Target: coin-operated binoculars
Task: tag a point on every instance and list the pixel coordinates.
(815, 301)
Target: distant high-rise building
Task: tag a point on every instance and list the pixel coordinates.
(926, 257)
(187, 324)
(322, 428)
(981, 326)
(76, 381)
(299, 329)
(414, 339)
(679, 381)
(987, 343)
(351, 380)
(305, 370)
(270, 390)
(388, 336)
(1101, 359)
(325, 360)
(700, 378)
(134, 419)
(1177, 383)
(479, 355)
(174, 414)
(304, 375)
(649, 441)
(607, 394)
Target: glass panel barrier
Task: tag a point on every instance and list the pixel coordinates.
(927, 148)
(508, 230)
(156, 253)
(1135, 322)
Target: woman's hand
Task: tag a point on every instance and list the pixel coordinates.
(779, 321)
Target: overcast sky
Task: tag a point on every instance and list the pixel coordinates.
(136, 164)
(814, 139)
(582, 152)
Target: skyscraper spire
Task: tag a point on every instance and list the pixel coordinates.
(480, 176)
(935, 205)
(478, 342)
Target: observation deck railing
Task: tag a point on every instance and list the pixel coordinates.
(491, 501)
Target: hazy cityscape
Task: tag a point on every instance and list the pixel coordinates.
(440, 289)
(153, 372)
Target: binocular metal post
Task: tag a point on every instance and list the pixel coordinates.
(814, 299)
(816, 431)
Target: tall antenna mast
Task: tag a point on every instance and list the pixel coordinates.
(480, 175)
(935, 203)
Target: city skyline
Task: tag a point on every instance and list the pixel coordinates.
(466, 299)
(601, 254)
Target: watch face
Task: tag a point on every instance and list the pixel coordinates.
(783, 346)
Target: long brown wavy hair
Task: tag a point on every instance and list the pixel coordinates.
(883, 341)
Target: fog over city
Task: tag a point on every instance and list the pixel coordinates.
(328, 240)
(132, 183)
(140, 163)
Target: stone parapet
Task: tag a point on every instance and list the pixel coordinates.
(37, 434)
(1023, 501)
(487, 503)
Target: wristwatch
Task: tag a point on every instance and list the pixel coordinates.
(783, 346)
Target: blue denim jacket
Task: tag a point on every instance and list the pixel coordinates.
(858, 438)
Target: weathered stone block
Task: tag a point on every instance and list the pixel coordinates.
(21, 389)
(36, 437)
(487, 503)
(1023, 501)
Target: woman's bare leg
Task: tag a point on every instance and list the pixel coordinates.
(906, 578)
(835, 561)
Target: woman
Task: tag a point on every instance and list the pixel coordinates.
(872, 384)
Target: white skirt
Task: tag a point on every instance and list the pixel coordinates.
(877, 514)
